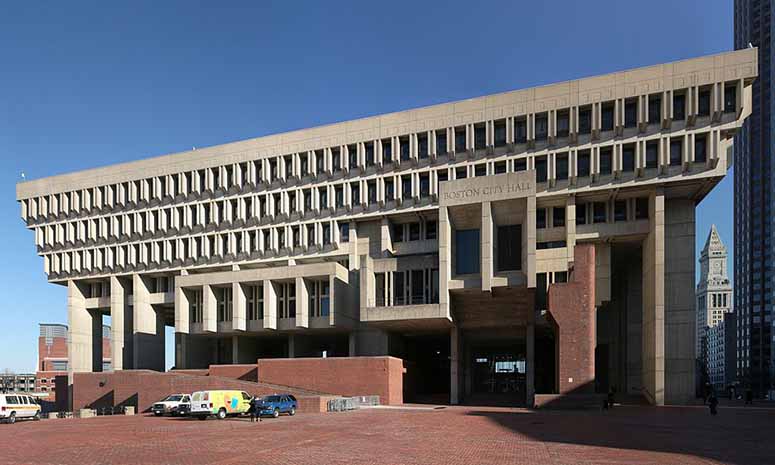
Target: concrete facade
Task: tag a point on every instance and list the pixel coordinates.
(432, 235)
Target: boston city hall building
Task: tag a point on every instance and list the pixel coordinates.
(522, 245)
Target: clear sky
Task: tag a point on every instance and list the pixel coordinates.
(85, 84)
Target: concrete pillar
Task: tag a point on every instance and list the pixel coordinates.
(302, 303)
(270, 305)
(487, 269)
(654, 302)
(96, 340)
(454, 366)
(570, 225)
(238, 308)
(121, 320)
(291, 346)
(351, 345)
(80, 342)
(445, 257)
(530, 355)
(529, 242)
(235, 353)
(148, 329)
(209, 310)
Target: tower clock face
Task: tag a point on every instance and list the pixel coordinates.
(717, 267)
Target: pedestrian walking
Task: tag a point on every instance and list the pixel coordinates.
(748, 396)
(713, 403)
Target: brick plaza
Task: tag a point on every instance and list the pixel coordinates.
(453, 435)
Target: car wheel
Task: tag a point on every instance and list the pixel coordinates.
(276, 412)
(202, 417)
(292, 411)
(222, 414)
(12, 418)
(37, 416)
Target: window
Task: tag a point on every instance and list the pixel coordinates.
(563, 123)
(460, 172)
(480, 170)
(703, 104)
(541, 172)
(542, 127)
(679, 107)
(344, 232)
(730, 99)
(562, 167)
(422, 145)
(387, 151)
(441, 141)
(255, 302)
(460, 140)
(369, 147)
(336, 158)
(630, 113)
(558, 217)
(430, 229)
(607, 117)
(467, 249)
(606, 160)
(585, 120)
(598, 212)
(581, 213)
(540, 218)
(520, 131)
(655, 109)
(480, 137)
(652, 154)
(676, 152)
(389, 190)
(398, 288)
(379, 289)
(641, 209)
(520, 164)
(406, 186)
(339, 196)
(323, 195)
(550, 245)
(583, 163)
(500, 133)
(509, 252)
(425, 185)
(700, 148)
(398, 233)
(500, 167)
(628, 158)
(418, 287)
(403, 146)
(620, 210)
(355, 193)
(414, 231)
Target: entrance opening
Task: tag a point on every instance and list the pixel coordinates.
(497, 373)
(427, 359)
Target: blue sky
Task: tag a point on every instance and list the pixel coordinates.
(84, 84)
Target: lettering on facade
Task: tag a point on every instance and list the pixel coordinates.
(473, 193)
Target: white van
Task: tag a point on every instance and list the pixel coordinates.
(14, 406)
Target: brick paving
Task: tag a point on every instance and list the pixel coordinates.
(455, 435)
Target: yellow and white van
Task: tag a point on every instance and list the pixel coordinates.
(219, 403)
(15, 406)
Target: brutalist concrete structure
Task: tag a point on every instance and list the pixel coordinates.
(539, 241)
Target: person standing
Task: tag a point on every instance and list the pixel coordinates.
(748, 395)
(713, 403)
(255, 409)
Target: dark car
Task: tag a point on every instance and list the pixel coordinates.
(276, 404)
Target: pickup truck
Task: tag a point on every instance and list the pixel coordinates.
(176, 404)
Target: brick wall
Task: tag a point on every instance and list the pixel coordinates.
(243, 372)
(141, 388)
(346, 376)
(572, 307)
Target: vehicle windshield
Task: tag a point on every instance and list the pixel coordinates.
(272, 399)
(173, 398)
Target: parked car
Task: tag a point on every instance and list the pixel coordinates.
(171, 405)
(16, 406)
(219, 403)
(276, 404)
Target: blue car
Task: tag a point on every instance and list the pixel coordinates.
(276, 404)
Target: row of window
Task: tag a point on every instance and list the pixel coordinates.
(407, 287)
(363, 155)
(595, 212)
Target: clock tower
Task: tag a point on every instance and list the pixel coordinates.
(714, 291)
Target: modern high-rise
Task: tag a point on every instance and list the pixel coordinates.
(714, 290)
(754, 212)
(531, 243)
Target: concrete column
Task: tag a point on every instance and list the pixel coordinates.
(270, 305)
(570, 225)
(79, 320)
(454, 366)
(121, 320)
(235, 354)
(487, 269)
(445, 257)
(352, 344)
(386, 243)
(529, 242)
(302, 303)
(148, 329)
(209, 310)
(653, 328)
(291, 346)
(530, 355)
(238, 307)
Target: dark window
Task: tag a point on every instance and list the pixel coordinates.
(339, 196)
(480, 137)
(398, 233)
(561, 276)
(520, 164)
(520, 131)
(480, 170)
(398, 288)
(500, 167)
(403, 146)
(425, 185)
(540, 169)
(585, 121)
(563, 123)
(441, 141)
(500, 133)
(562, 167)
(509, 247)
(730, 99)
(389, 190)
(620, 210)
(352, 154)
(422, 145)
(430, 229)
(460, 140)
(344, 232)
(606, 160)
(655, 109)
(542, 127)
(387, 151)
(323, 192)
(550, 245)
(676, 152)
(540, 218)
(581, 213)
(703, 105)
(418, 286)
(607, 117)
(326, 234)
(372, 192)
(679, 107)
(467, 248)
(318, 160)
(369, 146)
(336, 156)
(628, 158)
(355, 193)
(652, 154)
(558, 217)
(583, 163)
(700, 148)
(460, 172)
(598, 212)
(406, 186)
(641, 209)
(304, 164)
(414, 231)
(630, 114)
(442, 175)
